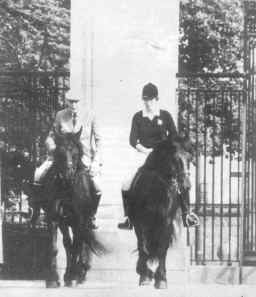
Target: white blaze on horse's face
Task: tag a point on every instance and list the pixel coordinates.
(72, 158)
(70, 169)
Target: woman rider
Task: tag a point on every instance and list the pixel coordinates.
(150, 126)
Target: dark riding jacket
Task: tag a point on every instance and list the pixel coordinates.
(150, 132)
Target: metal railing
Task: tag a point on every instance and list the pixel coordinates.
(28, 103)
(210, 113)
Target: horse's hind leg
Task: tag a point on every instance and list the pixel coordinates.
(52, 280)
(160, 275)
(67, 242)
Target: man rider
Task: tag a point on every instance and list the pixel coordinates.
(68, 120)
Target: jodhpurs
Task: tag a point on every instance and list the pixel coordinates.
(139, 161)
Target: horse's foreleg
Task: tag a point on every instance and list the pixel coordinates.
(84, 263)
(52, 280)
(67, 242)
(142, 269)
(76, 253)
(160, 275)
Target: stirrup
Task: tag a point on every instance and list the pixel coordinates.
(191, 220)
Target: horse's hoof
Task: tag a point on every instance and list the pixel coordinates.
(70, 283)
(81, 280)
(52, 284)
(145, 280)
(161, 284)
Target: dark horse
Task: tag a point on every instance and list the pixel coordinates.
(67, 199)
(152, 209)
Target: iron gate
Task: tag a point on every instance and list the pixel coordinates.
(210, 113)
(218, 112)
(249, 189)
(28, 102)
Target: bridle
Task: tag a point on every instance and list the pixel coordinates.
(68, 165)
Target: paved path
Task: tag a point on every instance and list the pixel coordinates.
(94, 289)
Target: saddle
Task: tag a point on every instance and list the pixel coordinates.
(173, 182)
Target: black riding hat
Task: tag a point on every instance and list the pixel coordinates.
(149, 92)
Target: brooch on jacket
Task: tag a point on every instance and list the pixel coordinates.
(159, 122)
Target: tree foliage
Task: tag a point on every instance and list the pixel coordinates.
(34, 45)
(34, 34)
(210, 42)
(210, 35)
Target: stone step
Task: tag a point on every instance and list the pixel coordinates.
(129, 277)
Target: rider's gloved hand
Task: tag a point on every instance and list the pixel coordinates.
(50, 144)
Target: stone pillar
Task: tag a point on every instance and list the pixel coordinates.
(1, 209)
(81, 66)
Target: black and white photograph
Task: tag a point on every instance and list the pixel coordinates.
(128, 148)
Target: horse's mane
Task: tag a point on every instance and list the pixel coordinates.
(167, 153)
(159, 159)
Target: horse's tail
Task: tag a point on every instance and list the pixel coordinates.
(93, 242)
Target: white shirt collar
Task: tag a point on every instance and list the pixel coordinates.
(151, 115)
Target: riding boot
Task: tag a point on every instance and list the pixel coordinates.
(126, 224)
(189, 219)
(37, 191)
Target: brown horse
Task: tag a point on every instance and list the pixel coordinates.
(67, 199)
(152, 209)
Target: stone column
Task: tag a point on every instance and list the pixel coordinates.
(81, 57)
(1, 209)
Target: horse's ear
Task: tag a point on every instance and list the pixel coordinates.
(78, 134)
